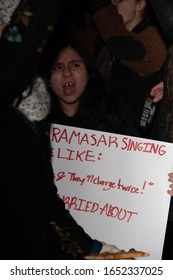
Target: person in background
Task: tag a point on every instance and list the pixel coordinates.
(34, 221)
(129, 52)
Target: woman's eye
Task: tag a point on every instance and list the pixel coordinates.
(74, 65)
(58, 67)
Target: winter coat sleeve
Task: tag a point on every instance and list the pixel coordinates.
(164, 13)
(143, 52)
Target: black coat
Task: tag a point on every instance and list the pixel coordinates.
(29, 197)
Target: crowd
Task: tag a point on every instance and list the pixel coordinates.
(116, 78)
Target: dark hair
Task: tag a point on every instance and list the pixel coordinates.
(168, 96)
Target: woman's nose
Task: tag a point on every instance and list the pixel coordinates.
(67, 71)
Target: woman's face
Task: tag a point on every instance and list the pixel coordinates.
(69, 76)
(130, 10)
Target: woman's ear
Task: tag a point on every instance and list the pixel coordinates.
(141, 5)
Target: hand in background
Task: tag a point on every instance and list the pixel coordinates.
(109, 249)
(157, 92)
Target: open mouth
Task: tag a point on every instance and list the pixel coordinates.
(68, 84)
(69, 88)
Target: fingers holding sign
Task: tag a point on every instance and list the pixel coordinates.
(170, 179)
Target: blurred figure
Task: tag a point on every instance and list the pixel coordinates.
(34, 221)
(163, 94)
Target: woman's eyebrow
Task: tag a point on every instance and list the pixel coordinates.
(71, 61)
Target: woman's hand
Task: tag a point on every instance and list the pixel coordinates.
(170, 179)
(157, 92)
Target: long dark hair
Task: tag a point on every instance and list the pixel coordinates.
(168, 96)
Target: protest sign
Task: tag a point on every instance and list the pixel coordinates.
(115, 186)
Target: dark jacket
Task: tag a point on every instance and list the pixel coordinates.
(34, 222)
